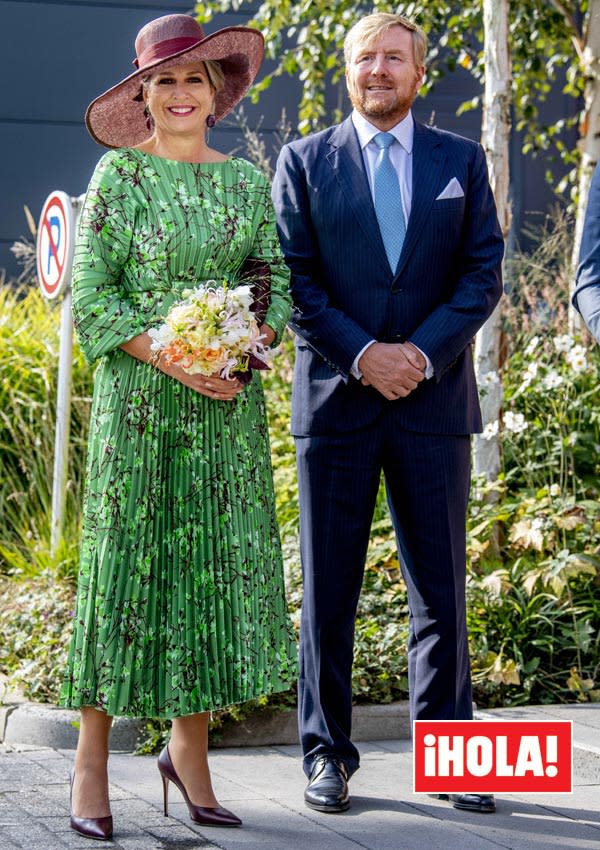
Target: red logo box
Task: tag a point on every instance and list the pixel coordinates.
(492, 757)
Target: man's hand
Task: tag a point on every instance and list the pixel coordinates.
(415, 356)
(394, 369)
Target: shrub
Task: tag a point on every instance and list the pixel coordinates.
(534, 613)
(35, 617)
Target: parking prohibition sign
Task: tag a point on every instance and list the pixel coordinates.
(54, 258)
(54, 252)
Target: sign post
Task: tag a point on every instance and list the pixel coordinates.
(54, 255)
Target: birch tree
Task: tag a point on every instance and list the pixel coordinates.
(495, 137)
(588, 50)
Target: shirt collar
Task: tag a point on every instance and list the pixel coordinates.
(404, 131)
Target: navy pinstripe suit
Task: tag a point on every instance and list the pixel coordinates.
(446, 285)
(586, 297)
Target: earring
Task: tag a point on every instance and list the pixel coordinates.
(149, 118)
(210, 120)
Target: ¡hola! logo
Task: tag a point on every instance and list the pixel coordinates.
(492, 756)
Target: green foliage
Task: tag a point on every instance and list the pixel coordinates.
(380, 672)
(278, 384)
(534, 611)
(35, 616)
(551, 419)
(534, 631)
(29, 339)
(546, 41)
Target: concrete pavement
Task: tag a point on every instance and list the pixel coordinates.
(264, 785)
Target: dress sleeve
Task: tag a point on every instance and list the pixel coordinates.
(266, 248)
(103, 314)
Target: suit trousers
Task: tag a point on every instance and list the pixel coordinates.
(427, 479)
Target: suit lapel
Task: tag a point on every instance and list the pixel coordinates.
(428, 161)
(346, 159)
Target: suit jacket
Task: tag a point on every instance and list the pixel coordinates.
(447, 282)
(586, 297)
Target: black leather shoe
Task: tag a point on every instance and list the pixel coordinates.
(483, 803)
(327, 789)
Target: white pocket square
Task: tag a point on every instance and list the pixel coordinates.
(452, 190)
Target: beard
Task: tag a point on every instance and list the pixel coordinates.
(393, 109)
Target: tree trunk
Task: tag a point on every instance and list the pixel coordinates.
(495, 140)
(589, 138)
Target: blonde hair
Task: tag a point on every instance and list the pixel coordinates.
(213, 69)
(215, 74)
(369, 28)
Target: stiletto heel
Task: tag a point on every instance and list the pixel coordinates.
(101, 829)
(204, 815)
(165, 782)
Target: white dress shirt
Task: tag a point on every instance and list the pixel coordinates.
(401, 159)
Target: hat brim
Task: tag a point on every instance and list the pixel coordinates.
(116, 118)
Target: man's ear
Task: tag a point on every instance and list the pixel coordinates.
(347, 76)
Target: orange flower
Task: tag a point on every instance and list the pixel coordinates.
(210, 354)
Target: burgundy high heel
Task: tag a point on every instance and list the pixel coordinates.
(204, 815)
(101, 829)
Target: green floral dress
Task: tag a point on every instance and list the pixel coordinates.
(180, 604)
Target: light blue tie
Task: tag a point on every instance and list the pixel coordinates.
(388, 200)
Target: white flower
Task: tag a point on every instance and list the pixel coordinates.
(563, 342)
(537, 522)
(490, 379)
(552, 380)
(576, 358)
(490, 430)
(161, 337)
(532, 345)
(555, 489)
(529, 374)
(514, 422)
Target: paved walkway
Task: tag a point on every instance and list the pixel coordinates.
(264, 786)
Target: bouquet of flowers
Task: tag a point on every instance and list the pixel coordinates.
(213, 330)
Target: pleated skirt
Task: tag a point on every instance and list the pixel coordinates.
(180, 602)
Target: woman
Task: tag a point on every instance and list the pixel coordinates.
(181, 606)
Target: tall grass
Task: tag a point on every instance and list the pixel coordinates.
(29, 346)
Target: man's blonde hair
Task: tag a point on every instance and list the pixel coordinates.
(369, 28)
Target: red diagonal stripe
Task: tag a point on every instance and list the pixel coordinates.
(52, 246)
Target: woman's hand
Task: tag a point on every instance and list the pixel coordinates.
(268, 334)
(211, 386)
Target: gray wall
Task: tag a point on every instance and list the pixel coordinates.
(57, 55)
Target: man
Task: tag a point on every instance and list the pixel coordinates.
(390, 230)
(586, 297)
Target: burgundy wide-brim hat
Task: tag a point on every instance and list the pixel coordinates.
(116, 118)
